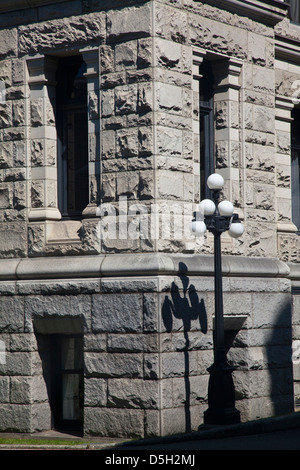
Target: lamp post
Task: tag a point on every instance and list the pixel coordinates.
(219, 218)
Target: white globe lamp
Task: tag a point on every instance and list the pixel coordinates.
(215, 182)
(207, 207)
(236, 230)
(225, 208)
(198, 228)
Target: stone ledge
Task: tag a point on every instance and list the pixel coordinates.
(148, 264)
(294, 271)
(267, 11)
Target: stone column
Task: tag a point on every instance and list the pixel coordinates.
(286, 229)
(91, 58)
(43, 204)
(90, 222)
(227, 136)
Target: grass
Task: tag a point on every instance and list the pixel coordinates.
(47, 442)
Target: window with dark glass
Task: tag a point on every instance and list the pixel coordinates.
(207, 159)
(294, 11)
(66, 386)
(295, 167)
(72, 132)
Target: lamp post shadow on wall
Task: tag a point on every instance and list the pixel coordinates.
(219, 218)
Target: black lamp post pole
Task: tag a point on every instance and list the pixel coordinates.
(221, 393)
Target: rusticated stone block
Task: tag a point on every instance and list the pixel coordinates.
(144, 58)
(18, 363)
(114, 365)
(117, 313)
(38, 193)
(20, 390)
(18, 113)
(126, 55)
(169, 98)
(23, 342)
(15, 417)
(169, 141)
(37, 107)
(126, 100)
(271, 309)
(145, 98)
(171, 23)
(8, 43)
(263, 118)
(6, 74)
(57, 33)
(114, 422)
(95, 392)
(4, 389)
(132, 22)
(127, 143)
(128, 184)
(132, 343)
(107, 58)
(6, 153)
(40, 417)
(283, 142)
(126, 393)
(5, 199)
(74, 306)
(11, 314)
(6, 114)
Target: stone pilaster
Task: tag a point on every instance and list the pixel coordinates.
(43, 140)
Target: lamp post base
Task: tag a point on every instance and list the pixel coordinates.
(221, 396)
(222, 417)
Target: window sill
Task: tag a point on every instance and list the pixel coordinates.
(63, 231)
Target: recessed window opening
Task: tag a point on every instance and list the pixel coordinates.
(295, 167)
(294, 11)
(66, 385)
(72, 133)
(207, 157)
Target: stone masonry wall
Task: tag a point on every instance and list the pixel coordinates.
(147, 346)
(146, 314)
(149, 139)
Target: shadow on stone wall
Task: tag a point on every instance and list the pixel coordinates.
(279, 359)
(184, 304)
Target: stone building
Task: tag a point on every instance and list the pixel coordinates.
(112, 115)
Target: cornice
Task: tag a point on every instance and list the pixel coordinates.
(287, 49)
(12, 5)
(269, 12)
